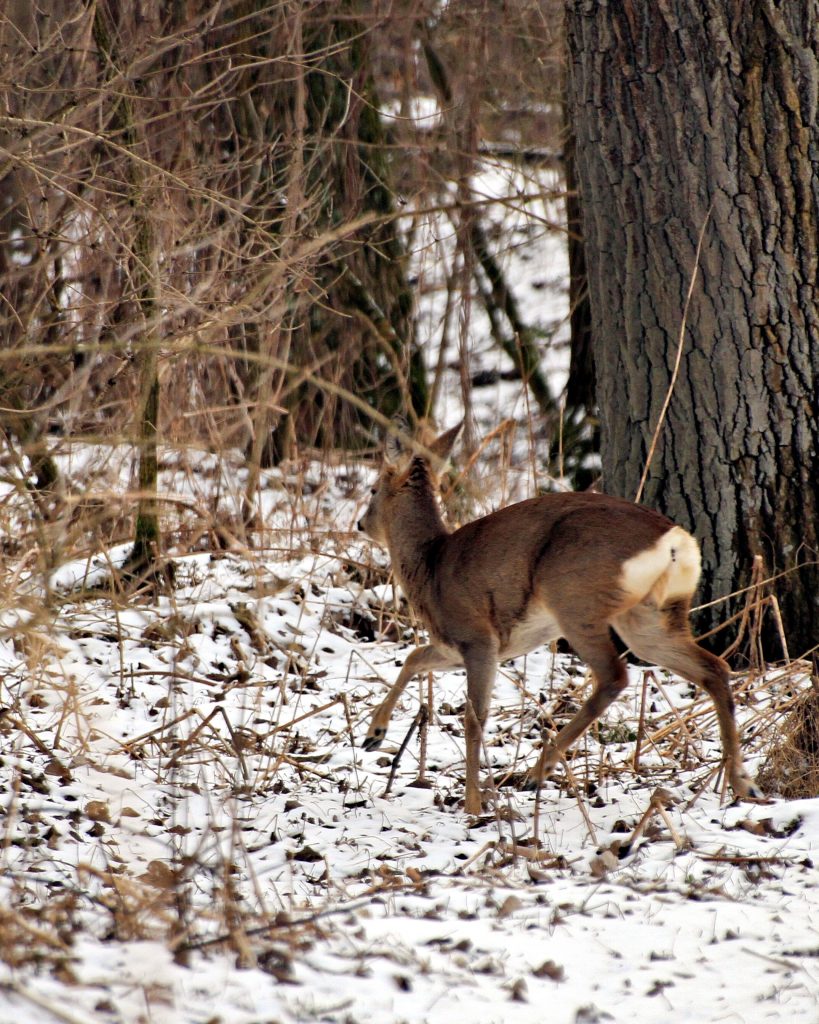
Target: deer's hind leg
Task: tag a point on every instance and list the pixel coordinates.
(662, 636)
(594, 645)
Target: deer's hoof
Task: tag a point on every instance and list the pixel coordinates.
(747, 790)
(374, 739)
(743, 786)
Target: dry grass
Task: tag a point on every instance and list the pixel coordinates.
(207, 894)
(791, 768)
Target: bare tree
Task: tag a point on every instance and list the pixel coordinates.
(207, 221)
(35, 219)
(181, 206)
(126, 127)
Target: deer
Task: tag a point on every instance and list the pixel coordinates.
(573, 565)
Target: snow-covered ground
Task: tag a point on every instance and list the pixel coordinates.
(191, 833)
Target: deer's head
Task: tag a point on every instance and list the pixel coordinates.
(405, 464)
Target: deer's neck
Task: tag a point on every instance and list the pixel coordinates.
(414, 536)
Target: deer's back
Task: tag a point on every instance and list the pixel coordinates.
(522, 568)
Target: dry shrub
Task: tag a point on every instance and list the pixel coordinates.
(39, 935)
(792, 765)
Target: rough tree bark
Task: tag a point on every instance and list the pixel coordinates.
(701, 116)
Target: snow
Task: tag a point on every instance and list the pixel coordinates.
(192, 834)
(198, 782)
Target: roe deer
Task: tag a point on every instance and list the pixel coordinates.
(561, 565)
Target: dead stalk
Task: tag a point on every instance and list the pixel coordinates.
(420, 718)
(677, 360)
(641, 721)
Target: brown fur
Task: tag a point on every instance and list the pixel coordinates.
(570, 565)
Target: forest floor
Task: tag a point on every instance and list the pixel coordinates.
(192, 833)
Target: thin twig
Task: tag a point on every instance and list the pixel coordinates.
(677, 361)
(279, 925)
(423, 735)
(49, 1005)
(301, 718)
(423, 714)
(641, 723)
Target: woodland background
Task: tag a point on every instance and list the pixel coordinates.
(236, 238)
(207, 219)
(209, 211)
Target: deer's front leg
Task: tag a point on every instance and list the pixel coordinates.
(422, 659)
(481, 664)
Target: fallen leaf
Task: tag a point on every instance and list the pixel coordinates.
(549, 969)
(97, 810)
(509, 906)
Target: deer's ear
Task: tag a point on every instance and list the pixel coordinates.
(394, 449)
(442, 446)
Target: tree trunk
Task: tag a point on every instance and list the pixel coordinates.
(699, 118)
(144, 558)
(373, 289)
(145, 555)
(580, 389)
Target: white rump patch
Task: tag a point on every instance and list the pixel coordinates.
(667, 571)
